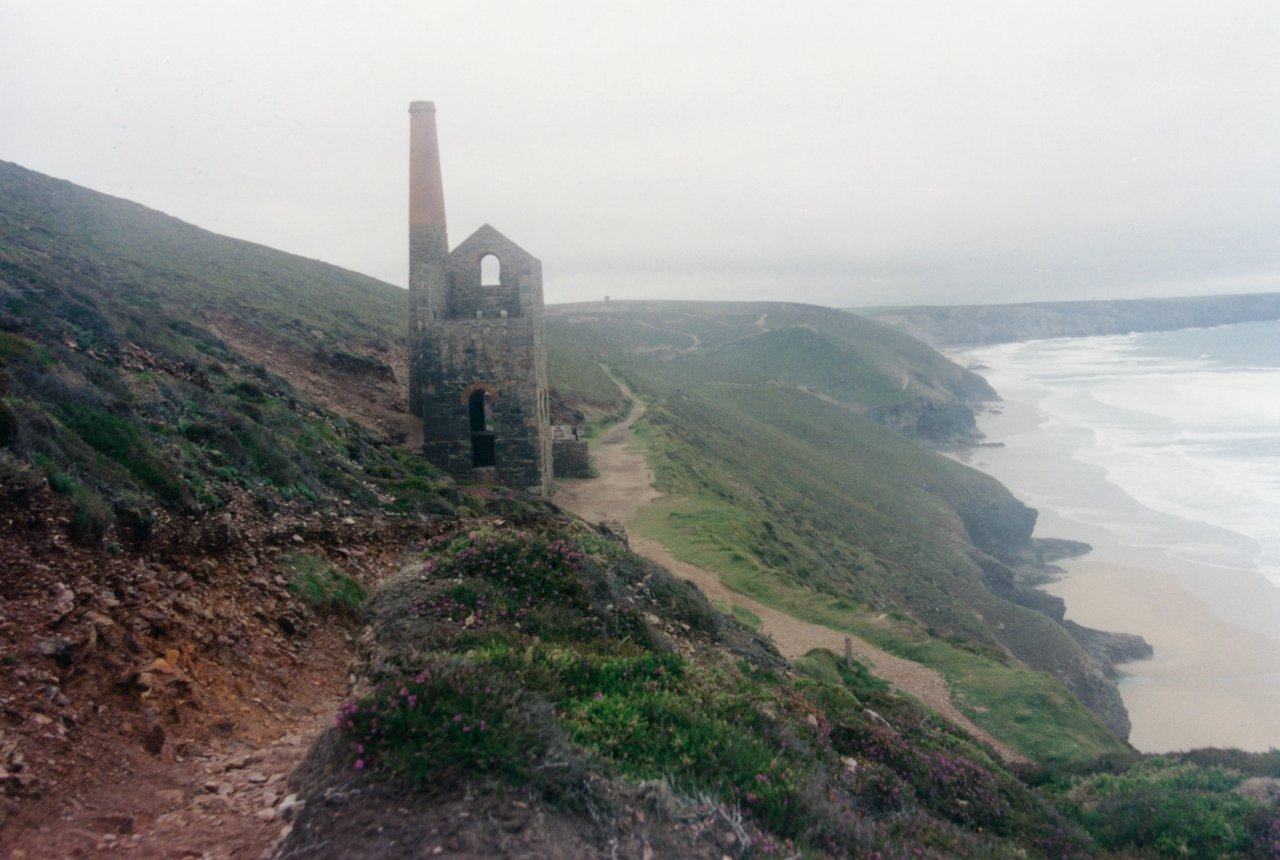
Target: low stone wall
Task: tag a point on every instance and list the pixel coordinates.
(569, 457)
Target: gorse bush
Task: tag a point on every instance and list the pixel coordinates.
(1175, 810)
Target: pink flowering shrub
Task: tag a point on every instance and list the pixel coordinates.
(524, 580)
(950, 785)
(532, 566)
(448, 715)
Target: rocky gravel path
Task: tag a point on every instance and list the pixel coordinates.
(625, 485)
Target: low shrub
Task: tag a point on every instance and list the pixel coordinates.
(322, 586)
(527, 566)
(450, 715)
(91, 516)
(1172, 810)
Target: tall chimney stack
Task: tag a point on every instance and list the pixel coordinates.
(428, 239)
(426, 191)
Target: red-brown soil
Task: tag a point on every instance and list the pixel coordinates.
(379, 401)
(152, 702)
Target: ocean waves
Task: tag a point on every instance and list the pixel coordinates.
(1185, 423)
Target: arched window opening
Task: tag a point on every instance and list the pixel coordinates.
(490, 271)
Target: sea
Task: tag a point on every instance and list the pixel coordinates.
(1163, 449)
(1185, 422)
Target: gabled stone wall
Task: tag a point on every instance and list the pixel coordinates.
(478, 362)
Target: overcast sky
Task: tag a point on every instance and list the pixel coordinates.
(845, 153)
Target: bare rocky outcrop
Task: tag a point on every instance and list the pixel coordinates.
(1107, 649)
(943, 424)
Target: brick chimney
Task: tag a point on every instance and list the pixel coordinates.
(428, 239)
(426, 190)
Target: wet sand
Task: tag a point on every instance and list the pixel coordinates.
(1187, 587)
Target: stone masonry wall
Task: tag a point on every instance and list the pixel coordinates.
(499, 355)
(570, 458)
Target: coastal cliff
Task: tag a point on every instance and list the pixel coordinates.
(963, 325)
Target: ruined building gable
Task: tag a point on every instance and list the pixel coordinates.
(474, 266)
(478, 362)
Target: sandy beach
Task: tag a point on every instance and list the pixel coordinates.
(1187, 587)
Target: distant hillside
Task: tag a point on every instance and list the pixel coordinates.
(767, 425)
(869, 369)
(955, 325)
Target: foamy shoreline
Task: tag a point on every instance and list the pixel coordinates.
(1215, 676)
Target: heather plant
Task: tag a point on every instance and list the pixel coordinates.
(1265, 833)
(522, 579)
(450, 715)
(532, 567)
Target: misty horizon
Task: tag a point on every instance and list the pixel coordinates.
(846, 157)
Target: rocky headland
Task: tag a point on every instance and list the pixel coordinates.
(966, 325)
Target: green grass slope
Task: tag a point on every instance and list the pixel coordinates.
(589, 704)
(56, 237)
(781, 481)
(115, 390)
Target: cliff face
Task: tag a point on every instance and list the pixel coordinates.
(1000, 528)
(939, 423)
(977, 324)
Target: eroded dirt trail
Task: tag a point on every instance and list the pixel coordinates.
(625, 486)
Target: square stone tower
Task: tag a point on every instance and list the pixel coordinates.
(477, 359)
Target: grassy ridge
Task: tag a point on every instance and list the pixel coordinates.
(548, 659)
(115, 391)
(778, 482)
(137, 261)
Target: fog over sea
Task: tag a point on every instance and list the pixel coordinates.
(1163, 451)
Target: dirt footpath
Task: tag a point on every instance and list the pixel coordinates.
(625, 486)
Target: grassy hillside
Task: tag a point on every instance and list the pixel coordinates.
(972, 324)
(529, 671)
(586, 703)
(60, 241)
(780, 480)
(116, 389)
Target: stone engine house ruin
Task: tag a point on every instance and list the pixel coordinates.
(477, 358)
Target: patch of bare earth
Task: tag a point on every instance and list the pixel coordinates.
(374, 396)
(153, 701)
(625, 485)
